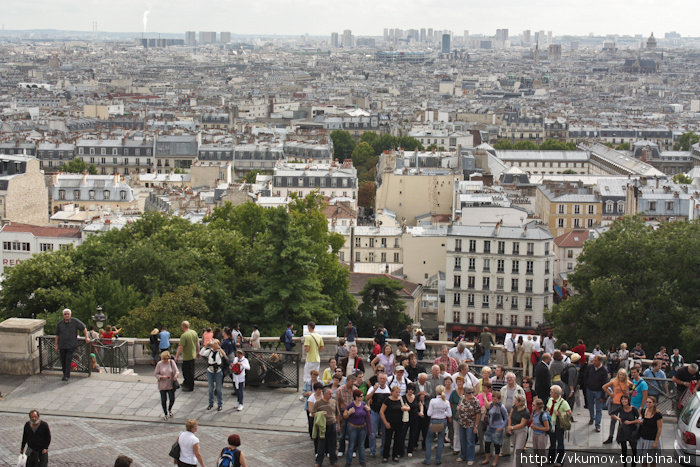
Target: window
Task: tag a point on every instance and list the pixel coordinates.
(487, 246)
(487, 265)
(569, 266)
(530, 267)
(577, 223)
(484, 318)
(609, 206)
(470, 317)
(514, 285)
(122, 195)
(528, 285)
(396, 257)
(470, 299)
(499, 319)
(370, 257)
(499, 301)
(455, 316)
(357, 242)
(500, 265)
(528, 321)
(471, 281)
(472, 246)
(514, 303)
(61, 194)
(546, 302)
(341, 255)
(562, 209)
(669, 205)
(516, 267)
(300, 181)
(577, 209)
(652, 205)
(560, 223)
(383, 242)
(569, 253)
(485, 283)
(457, 281)
(546, 285)
(457, 298)
(516, 248)
(357, 257)
(383, 258)
(499, 283)
(103, 151)
(501, 248)
(91, 194)
(621, 207)
(591, 209)
(371, 242)
(103, 161)
(106, 194)
(513, 320)
(472, 264)
(458, 263)
(81, 151)
(25, 246)
(546, 267)
(458, 245)
(7, 246)
(396, 243)
(76, 194)
(114, 160)
(46, 247)
(92, 151)
(546, 248)
(530, 248)
(528, 303)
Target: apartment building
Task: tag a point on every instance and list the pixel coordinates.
(23, 194)
(22, 241)
(332, 180)
(91, 192)
(53, 154)
(546, 162)
(370, 249)
(175, 152)
(498, 276)
(567, 206)
(117, 156)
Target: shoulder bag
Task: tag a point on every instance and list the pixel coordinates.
(563, 420)
(437, 427)
(175, 449)
(176, 384)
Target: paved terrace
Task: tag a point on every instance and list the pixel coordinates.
(95, 419)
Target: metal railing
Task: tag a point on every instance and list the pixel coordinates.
(112, 357)
(270, 368)
(49, 356)
(668, 395)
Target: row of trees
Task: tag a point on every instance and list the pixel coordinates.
(247, 264)
(633, 284)
(549, 145)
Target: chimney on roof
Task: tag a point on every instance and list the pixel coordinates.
(85, 174)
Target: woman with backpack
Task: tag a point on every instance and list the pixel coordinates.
(239, 365)
(216, 359)
(560, 412)
(498, 419)
(517, 427)
(231, 456)
(541, 424)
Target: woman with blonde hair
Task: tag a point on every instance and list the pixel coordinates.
(189, 446)
(440, 414)
(386, 358)
(616, 388)
(485, 376)
(623, 356)
(166, 373)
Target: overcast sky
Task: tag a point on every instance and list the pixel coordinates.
(363, 17)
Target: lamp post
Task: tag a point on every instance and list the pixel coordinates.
(99, 318)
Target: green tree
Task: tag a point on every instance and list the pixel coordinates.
(623, 147)
(435, 147)
(343, 144)
(503, 144)
(526, 145)
(370, 138)
(77, 166)
(409, 143)
(682, 179)
(553, 145)
(362, 152)
(569, 171)
(366, 194)
(381, 305)
(651, 295)
(685, 141)
(250, 176)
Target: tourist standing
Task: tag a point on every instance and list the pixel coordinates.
(392, 415)
(623, 356)
(510, 346)
(651, 424)
(313, 345)
(239, 365)
(232, 453)
(469, 416)
(66, 340)
(189, 349)
(215, 374)
(289, 338)
(327, 444)
(163, 340)
(526, 360)
(420, 343)
(517, 427)
(153, 341)
(543, 379)
(676, 362)
(357, 417)
(255, 338)
(487, 340)
(627, 416)
(375, 398)
(616, 388)
(412, 427)
(557, 407)
(350, 334)
(498, 420)
(386, 359)
(597, 377)
(189, 445)
(440, 415)
(638, 393)
(166, 372)
(541, 424)
(37, 438)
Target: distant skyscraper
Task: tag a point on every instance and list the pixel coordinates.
(526, 36)
(549, 37)
(334, 40)
(207, 37)
(501, 35)
(554, 52)
(190, 38)
(423, 36)
(430, 34)
(225, 37)
(386, 34)
(466, 38)
(445, 43)
(347, 39)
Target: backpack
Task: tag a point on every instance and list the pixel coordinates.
(565, 374)
(283, 336)
(229, 458)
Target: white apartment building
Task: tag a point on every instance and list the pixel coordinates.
(497, 276)
(369, 249)
(22, 241)
(332, 180)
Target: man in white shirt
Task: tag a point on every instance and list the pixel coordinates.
(548, 343)
(461, 353)
(469, 379)
(510, 350)
(528, 347)
(375, 397)
(399, 379)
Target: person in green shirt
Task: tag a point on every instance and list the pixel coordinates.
(487, 341)
(189, 349)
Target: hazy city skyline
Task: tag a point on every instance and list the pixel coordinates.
(363, 17)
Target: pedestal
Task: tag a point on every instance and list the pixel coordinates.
(19, 350)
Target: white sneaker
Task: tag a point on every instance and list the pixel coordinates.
(240, 407)
(354, 454)
(410, 454)
(340, 453)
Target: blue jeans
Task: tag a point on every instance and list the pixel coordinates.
(217, 378)
(357, 441)
(556, 446)
(440, 442)
(466, 443)
(376, 422)
(595, 406)
(342, 435)
(239, 392)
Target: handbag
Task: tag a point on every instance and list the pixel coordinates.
(437, 427)
(21, 460)
(176, 384)
(175, 450)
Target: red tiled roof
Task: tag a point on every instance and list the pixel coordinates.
(359, 279)
(40, 231)
(573, 239)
